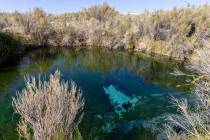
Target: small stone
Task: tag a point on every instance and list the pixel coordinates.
(99, 116)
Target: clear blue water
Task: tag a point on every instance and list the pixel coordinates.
(122, 90)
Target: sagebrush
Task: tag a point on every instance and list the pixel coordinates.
(48, 108)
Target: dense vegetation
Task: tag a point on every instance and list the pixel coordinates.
(192, 121)
(174, 33)
(50, 109)
(179, 33)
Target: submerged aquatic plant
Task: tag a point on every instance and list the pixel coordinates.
(119, 100)
(48, 108)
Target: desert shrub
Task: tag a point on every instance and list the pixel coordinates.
(180, 31)
(73, 37)
(41, 28)
(35, 26)
(23, 21)
(192, 122)
(3, 22)
(202, 64)
(100, 12)
(48, 108)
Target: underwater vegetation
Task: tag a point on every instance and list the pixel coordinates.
(119, 100)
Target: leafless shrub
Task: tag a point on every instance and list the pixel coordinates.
(48, 108)
(192, 122)
(193, 119)
(178, 72)
(101, 12)
(203, 63)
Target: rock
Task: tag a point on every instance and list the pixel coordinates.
(126, 106)
(118, 109)
(99, 116)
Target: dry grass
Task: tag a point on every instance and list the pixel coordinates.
(48, 108)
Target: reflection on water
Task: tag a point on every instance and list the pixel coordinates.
(123, 92)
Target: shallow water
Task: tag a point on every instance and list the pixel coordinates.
(122, 91)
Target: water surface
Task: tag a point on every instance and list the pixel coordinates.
(122, 91)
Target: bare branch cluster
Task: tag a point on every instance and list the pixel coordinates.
(193, 119)
(48, 108)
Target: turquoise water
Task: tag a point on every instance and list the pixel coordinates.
(123, 91)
